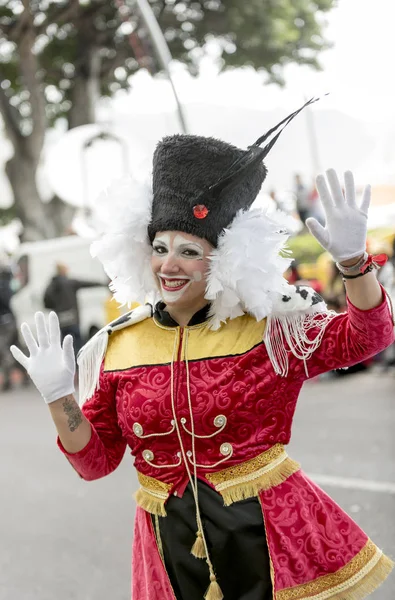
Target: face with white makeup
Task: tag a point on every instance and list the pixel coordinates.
(180, 262)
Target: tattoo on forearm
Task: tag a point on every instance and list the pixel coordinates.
(73, 412)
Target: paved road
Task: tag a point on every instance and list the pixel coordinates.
(65, 539)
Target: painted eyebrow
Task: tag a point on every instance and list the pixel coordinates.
(193, 244)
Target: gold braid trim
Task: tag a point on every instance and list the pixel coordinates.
(152, 494)
(247, 479)
(159, 538)
(356, 580)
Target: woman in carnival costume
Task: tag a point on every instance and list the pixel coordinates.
(202, 385)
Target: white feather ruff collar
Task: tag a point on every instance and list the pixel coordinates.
(247, 267)
(246, 272)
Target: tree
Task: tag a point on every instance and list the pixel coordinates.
(57, 57)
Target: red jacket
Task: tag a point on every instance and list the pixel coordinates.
(154, 375)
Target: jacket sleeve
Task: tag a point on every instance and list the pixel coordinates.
(104, 451)
(5, 294)
(79, 284)
(49, 300)
(352, 337)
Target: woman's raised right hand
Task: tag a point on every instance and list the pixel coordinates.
(50, 365)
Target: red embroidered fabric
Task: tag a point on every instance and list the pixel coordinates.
(149, 579)
(258, 404)
(309, 535)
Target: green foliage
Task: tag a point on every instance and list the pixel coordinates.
(305, 248)
(265, 34)
(7, 215)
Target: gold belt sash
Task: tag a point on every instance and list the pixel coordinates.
(244, 480)
(152, 494)
(247, 479)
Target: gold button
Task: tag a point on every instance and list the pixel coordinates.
(220, 420)
(148, 455)
(138, 430)
(226, 449)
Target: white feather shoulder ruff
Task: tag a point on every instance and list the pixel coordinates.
(247, 267)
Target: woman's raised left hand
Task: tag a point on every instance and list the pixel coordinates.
(345, 231)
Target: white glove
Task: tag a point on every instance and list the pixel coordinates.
(345, 231)
(50, 366)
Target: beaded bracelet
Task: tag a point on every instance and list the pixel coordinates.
(353, 268)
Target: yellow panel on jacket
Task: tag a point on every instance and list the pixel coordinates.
(148, 343)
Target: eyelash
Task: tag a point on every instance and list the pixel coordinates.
(161, 250)
(158, 249)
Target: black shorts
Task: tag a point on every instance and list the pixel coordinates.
(236, 542)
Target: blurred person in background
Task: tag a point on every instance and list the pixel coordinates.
(61, 297)
(315, 205)
(202, 382)
(335, 292)
(276, 202)
(386, 277)
(8, 326)
(302, 198)
(391, 354)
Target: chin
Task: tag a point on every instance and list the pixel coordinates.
(181, 303)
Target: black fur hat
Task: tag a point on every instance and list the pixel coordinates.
(200, 183)
(185, 171)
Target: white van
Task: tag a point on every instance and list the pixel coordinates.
(36, 264)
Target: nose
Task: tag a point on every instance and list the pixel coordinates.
(170, 265)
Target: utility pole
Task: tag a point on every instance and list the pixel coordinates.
(313, 144)
(163, 52)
